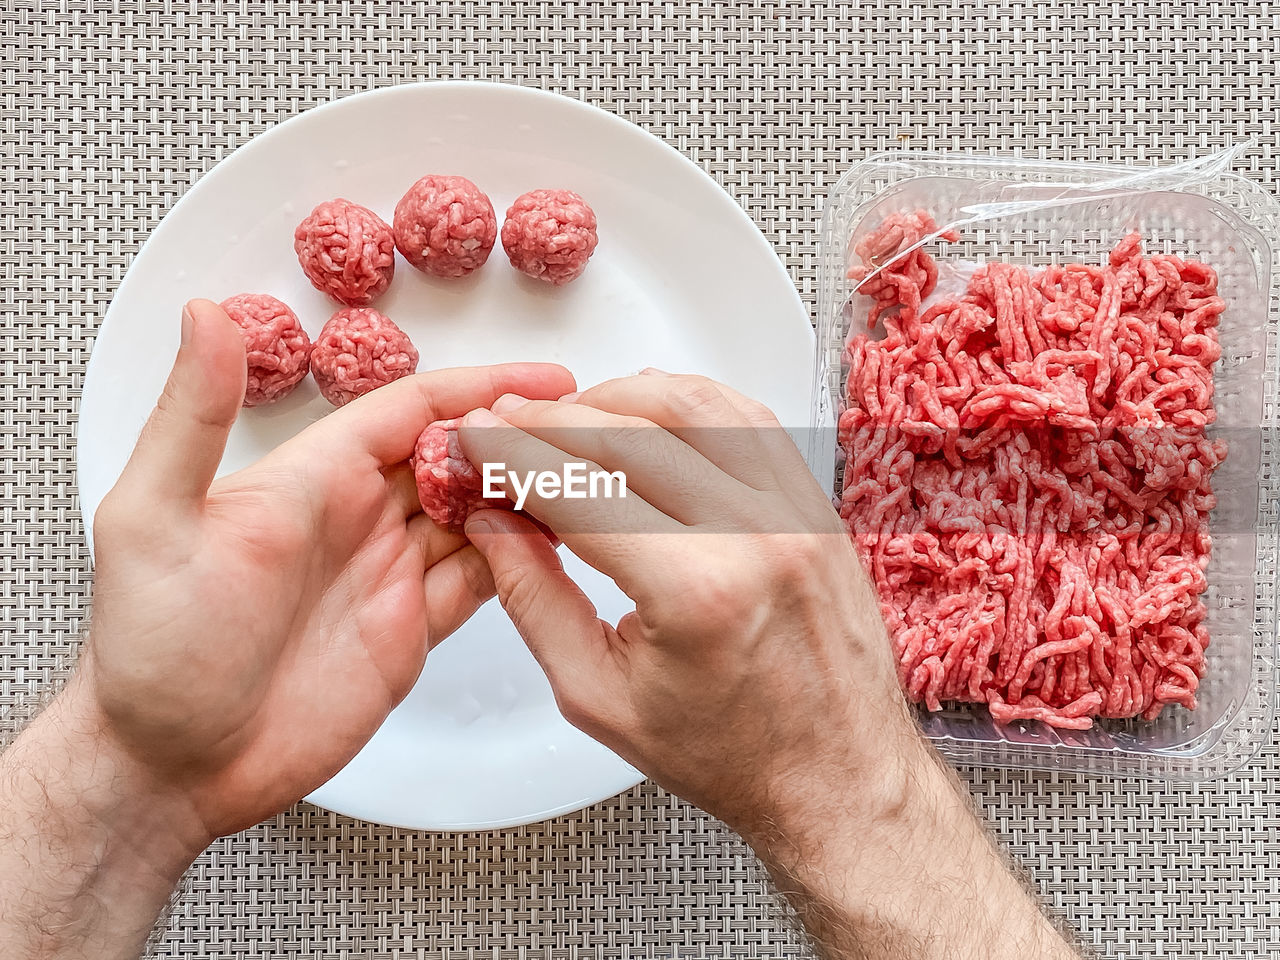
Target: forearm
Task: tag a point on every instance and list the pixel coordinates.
(90, 846)
(905, 869)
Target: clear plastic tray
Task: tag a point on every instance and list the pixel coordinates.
(1035, 213)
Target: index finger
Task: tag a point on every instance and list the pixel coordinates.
(385, 423)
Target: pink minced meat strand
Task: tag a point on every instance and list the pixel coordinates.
(277, 349)
(358, 350)
(1028, 479)
(347, 252)
(550, 235)
(445, 226)
(449, 486)
(890, 278)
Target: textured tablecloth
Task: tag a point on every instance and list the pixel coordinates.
(112, 110)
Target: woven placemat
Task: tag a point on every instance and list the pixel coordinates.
(112, 110)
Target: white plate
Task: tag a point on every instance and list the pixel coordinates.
(682, 280)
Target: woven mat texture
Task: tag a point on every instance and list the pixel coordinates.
(112, 110)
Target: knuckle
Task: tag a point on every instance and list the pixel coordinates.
(489, 442)
(476, 576)
(759, 415)
(526, 594)
(721, 595)
(111, 519)
(577, 709)
(168, 402)
(697, 398)
(618, 439)
(795, 558)
(172, 409)
(153, 426)
(518, 588)
(631, 438)
(124, 517)
(595, 712)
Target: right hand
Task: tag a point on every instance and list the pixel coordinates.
(754, 678)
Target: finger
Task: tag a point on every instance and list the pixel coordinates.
(787, 460)
(759, 452)
(697, 411)
(582, 657)
(181, 445)
(433, 540)
(492, 442)
(799, 484)
(385, 423)
(664, 470)
(590, 527)
(402, 490)
(455, 587)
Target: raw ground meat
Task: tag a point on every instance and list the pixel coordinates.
(359, 350)
(347, 251)
(277, 349)
(904, 280)
(550, 235)
(449, 487)
(1028, 478)
(445, 226)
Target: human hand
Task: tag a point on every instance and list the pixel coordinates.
(250, 634)
(755, 676)
(755, 631)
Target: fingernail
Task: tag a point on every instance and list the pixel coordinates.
(570, 397)
(481, 418)
(508, 403)
(188, 322)
(652, 371)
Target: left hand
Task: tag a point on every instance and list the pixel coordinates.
(249, 635)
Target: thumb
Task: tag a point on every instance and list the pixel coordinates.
(574, 647)
(181, 445)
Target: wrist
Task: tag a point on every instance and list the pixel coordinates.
(902, 866)
(840, 805)
(143, 814)
(93, 841)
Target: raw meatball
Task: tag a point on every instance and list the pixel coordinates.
(359, 350)
(445, 226)
(277, 349)
(449, 487)
(550, 234)
(346, 251)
